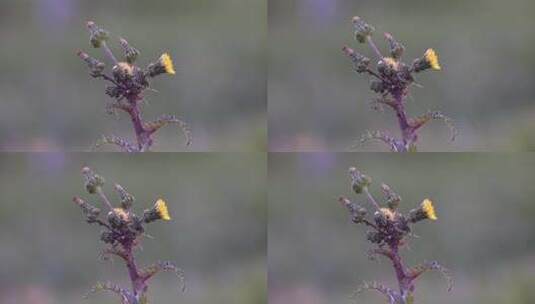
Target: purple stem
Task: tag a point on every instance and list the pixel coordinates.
(108, 52)
(407, 131)
(374, 47)
(142, 135)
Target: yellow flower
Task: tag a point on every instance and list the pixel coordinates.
(161, 208)
(432, 58)
(429, 210)
(388, 213)
(167, 63)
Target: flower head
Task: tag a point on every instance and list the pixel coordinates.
(161, 207)
(427, 207)
(157, 212)
(432, 58)
(164, 65)
(167, 62)
(423, 212)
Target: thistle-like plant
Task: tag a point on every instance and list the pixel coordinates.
(122, 233)
(392, 80)
(128, 82)
(389, 232)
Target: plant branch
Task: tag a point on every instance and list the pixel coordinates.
(104, 198)
(374, 47)
(108, 52)
(371, 199)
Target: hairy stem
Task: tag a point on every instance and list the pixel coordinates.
(142, 136)
(397, 263)
(108, 52)
(104, 198)
(371, 199)
(407, 132)
(374, 47)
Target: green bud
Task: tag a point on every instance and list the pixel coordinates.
(130, 53)
(360, 62)
(396, 48)
(97, 36)
(359, 181)
(362, 29)
(127, 200)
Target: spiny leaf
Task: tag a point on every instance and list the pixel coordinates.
(166, 266)
(391, 295)
(166, 119)
(123, 144)
(381, 136)
(108, 286)
(433, 265)
(421, 120)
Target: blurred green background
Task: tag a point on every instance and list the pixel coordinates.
(316, 101)
(217, 234)
(484, 233)
(49, 102)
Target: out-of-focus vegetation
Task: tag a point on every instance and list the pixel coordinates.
(49, 102)
(316, 102)
(484, 233)
(217, 234)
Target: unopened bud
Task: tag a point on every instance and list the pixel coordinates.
(97, 36)
(396, 48)
(362, 29)
(130, 52)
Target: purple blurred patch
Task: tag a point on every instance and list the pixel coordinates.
(51, 164)
(317, 13)
(55, 14)
(316, 164)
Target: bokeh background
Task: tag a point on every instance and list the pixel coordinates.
(316, 102)
(49, 102)
(217, 234)
(485, 232)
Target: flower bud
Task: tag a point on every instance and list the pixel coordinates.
(358, 213)
(358, 180)
(396, 48)
(127, 200)
(96, 67)
(392, 198)
(360, 62)
(92, 181)
(362, 29)
(130, 53)
(91, 212)
(97, 36)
